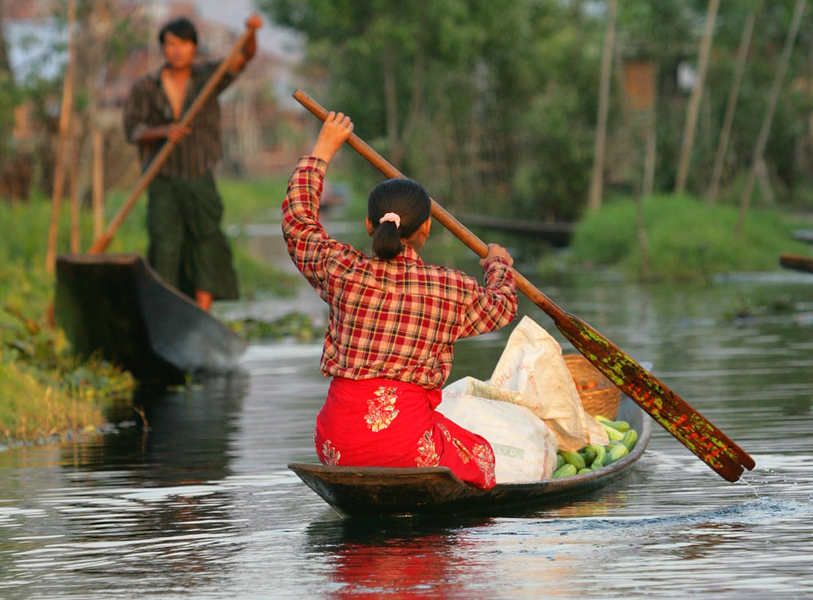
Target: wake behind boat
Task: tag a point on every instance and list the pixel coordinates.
(116, 304)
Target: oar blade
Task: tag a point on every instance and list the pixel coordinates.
(675, 415)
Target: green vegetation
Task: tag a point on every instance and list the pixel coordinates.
(294, 325)
(252, 200)
(686, 238)
(44, 390)
(493, 105)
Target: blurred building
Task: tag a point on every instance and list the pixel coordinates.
(263, 131)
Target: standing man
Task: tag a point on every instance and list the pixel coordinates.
(187, 247)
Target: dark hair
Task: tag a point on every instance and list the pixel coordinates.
(408, 200)
(182, 28)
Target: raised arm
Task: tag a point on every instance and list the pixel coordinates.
(308, 243)
(250, 49)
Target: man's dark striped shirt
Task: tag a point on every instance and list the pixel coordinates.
(148, 106)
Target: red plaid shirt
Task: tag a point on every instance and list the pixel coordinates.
(397, 319)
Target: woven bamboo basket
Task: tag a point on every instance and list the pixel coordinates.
(603, 397)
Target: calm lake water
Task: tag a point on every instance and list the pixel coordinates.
(201, 504)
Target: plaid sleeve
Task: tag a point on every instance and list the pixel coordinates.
(494, 305)
(309, 244)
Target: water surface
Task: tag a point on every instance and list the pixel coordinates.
(200, 503)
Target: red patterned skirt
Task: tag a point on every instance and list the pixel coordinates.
(386, 423)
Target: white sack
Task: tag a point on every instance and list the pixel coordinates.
(532, 364)
(524, 447)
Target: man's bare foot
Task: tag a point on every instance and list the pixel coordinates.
(204, 299)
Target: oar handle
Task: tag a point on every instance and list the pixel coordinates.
(438, 212)
(103, 241)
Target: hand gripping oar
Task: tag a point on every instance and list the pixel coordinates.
(101, 244)
(693, 430)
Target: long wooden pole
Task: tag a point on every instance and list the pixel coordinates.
(687, 425)
(73, 193)
(728, 120)
(98, 183)
(103, 241)
(697, 95)
(62, 139)
(762, 140)
(597, 178)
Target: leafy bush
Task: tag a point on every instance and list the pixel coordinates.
(686, 238)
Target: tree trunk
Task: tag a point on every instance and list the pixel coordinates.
(728, 120)
(762, 140)
(391, 106)
(98, 183)
(597, 181)
(642, 237)
(650, 155)
(75, 148)
(697, 94)
(64, 132)
(765, 183)
(5, 63)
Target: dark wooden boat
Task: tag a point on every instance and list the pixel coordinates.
(797, 262)
(803, 235)
(375, 492)
(118, 305)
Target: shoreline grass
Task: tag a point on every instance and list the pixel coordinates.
(45, 391)
(687, 239)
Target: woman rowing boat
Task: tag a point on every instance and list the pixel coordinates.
(393, 321)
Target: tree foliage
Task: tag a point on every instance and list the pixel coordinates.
(493, 104)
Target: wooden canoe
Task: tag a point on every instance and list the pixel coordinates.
(118, 305)
(376, 492)
(803, 235)
(797, 262)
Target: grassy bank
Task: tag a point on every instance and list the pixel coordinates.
(687, 239)
(44, 390)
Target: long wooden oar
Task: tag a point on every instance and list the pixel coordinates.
(693, 430)
(103, 241)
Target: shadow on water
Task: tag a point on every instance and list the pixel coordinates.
(169, 436)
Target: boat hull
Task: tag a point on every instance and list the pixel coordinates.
(797, 262)
(119, 306)
(376, 491)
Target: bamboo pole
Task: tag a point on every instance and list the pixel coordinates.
(64, 132)
(650, 153)
(597, 180)
(697, 94)
(98, 183)
(647, 188)
(728, 120)
(73, 192)
(762, 140)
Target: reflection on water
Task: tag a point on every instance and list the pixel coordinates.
(405, 558)
(200, 504)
